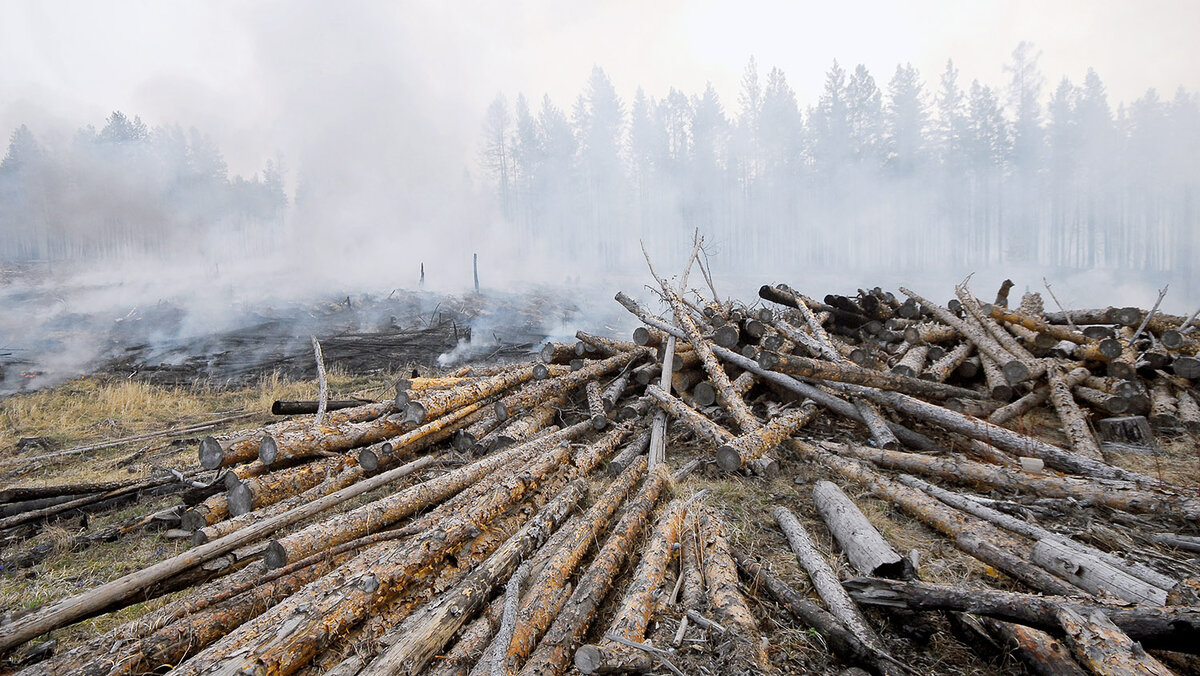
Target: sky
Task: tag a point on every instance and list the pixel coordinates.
(267, 77)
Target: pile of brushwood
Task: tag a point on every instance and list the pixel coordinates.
(538, 517)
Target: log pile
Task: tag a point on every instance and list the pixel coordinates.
(519, 519)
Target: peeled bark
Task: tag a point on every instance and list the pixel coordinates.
(436, 403)
(628, 455)
(1042, 654)
(724, 595)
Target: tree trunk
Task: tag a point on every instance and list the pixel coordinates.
(1089, 572)
(725, 597)
(738, 452)
(1104, 648)
(1074, 424)
(848, 373)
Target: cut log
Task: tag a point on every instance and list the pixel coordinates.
(848, 373)
(912, 363)
(1042, 654)
(1104, 648)
(1089, 572)
(1073, 423)
(634, 611)
(725, 597)
(983, 341)
(960, 470)
(545, 598)
(294, 407)
(867, 550)
(633, 450)
(825, 581)
(562, 639)
(1170, 628)
(739, 452)
(941, 369)
(415, 641)
(436, 403)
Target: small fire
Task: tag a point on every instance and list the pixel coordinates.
(30, 374)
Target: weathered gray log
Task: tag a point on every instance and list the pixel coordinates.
(848, 373)
(1032, 531)
(1104, 649)
(825, 581)
(638, 446)
(867, 550)
(1090, 573)
(1073, 422)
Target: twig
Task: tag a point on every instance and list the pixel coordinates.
(658, 653)
(1060, 307)
(705, 622)
(1187, 326)
(1161, 294)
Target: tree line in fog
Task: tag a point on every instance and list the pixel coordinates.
(128, 190)
(912, 172)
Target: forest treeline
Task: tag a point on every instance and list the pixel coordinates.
(897, 175)
(129, 190)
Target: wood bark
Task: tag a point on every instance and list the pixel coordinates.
(912, 363)
(436, 403)
(615, 390)
(1034, 399)
(866, 549)
(562, 639)
(1167, 628)
(997, 384)
(1018, 318)
(1042, 654)
(596, 406)
(633, 450)
(941, 369)
(698, 423)
(983, 341)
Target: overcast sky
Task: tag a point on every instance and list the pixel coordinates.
(282, 76)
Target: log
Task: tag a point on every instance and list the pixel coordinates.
(1163, 409)
(379, 514)
(983, 341)
(562, 639)
(845, 644)
(1169, 628)
(242, 446)
(1189, 411)
(615, 390)
(847, 373)
(545, 598)
(1089, 572)
(866, 549)
(1104, 648)
(293, 632)
(416, 640)
(122, 590)
(436, 403)
(877, 425)
(306, 407)
(912, 363)
(1034, 399)
(742, 450)
(596, 406)
(1042, 654)
(824, 580)
(634, 611)
(941, 369)
(1004, 439)
(725, 597)
(973, 536)
(997, 383)
(1109, 403)
(633, 450)
(1035, 532)
(1073, 423)
(697, 422)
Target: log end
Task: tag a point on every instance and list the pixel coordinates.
(415, 413)
(192, 520)
(210, 453)
(642, 336)
(1111, 348)
(589, 659)
(463, 441)
(1015, 371)
(729, 459)
(704, 393)
(599, 422)
(726, 336)
(268, 449)
(402, 395)
(767, 360)
(1186, 367)
(275, 556)
(230, 480)
(199, 538)
(368, 459)
(540, 372)
(1171, 339)
(241, 500)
